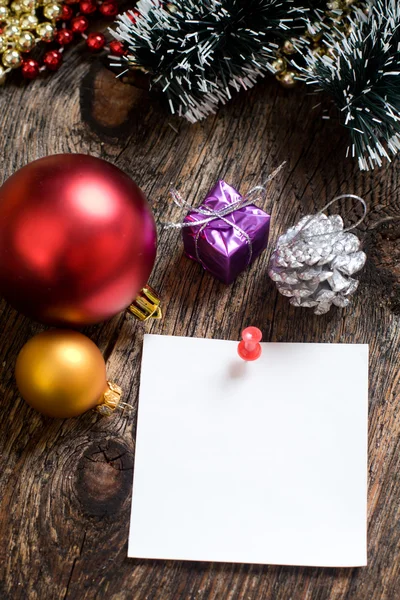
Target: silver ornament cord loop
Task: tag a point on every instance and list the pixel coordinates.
(341, 197)
(300, 233)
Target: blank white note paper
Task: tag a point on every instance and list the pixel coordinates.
(262, 462)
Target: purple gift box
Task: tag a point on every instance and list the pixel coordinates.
(228, 243)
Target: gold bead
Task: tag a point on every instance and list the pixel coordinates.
(46, 31)
(16, 7)
(279, 65)
(331, 53)
(348, 29)
(4, 2)
(11, 31)
(316, 37)
(4, 12)
(2, 75)
(286, 79)
(318, 50)
(288, 47)
(52, 11)
(26, 42)
(28, 21)
(11, 59)
(28, 5)
(3, 44)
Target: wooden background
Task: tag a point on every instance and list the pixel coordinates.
(66, 485)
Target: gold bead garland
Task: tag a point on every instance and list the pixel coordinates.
(21, 29)
(336, 15)
(25, 24)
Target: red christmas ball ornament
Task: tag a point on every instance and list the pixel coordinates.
(66, 12)
(117, 48)
(52, 60)
(64, 37)
(87, 7)
(77, 240)
(30, 68)
(109, 9)
(79, 24)
(95, 41)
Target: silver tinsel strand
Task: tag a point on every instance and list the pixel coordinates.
(314, 261)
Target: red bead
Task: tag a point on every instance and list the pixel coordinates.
(64, 37)
(71, 1)
(95, 41)
(30, 68)
(66, 13)
(79, 24)
(117, 48)
(132, 15)
(52, 60)
(87, 7)
(109, 9)
(249, 348)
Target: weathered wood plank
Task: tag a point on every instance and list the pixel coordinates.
(65, 485)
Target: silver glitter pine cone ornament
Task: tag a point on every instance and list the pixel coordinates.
(314, 261)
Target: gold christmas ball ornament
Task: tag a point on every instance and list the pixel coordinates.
(62, 374)
(3, 13)
(11, 59)
(45, 31)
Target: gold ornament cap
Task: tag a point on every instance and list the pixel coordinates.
(111, 399)
(146, 305)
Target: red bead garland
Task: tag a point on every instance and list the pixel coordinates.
(95, 41)
(65, 21)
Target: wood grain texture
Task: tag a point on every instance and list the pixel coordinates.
(66, 485)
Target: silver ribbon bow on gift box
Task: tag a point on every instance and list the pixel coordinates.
(210, 214)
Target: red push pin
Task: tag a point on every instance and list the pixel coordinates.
(249, 347)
